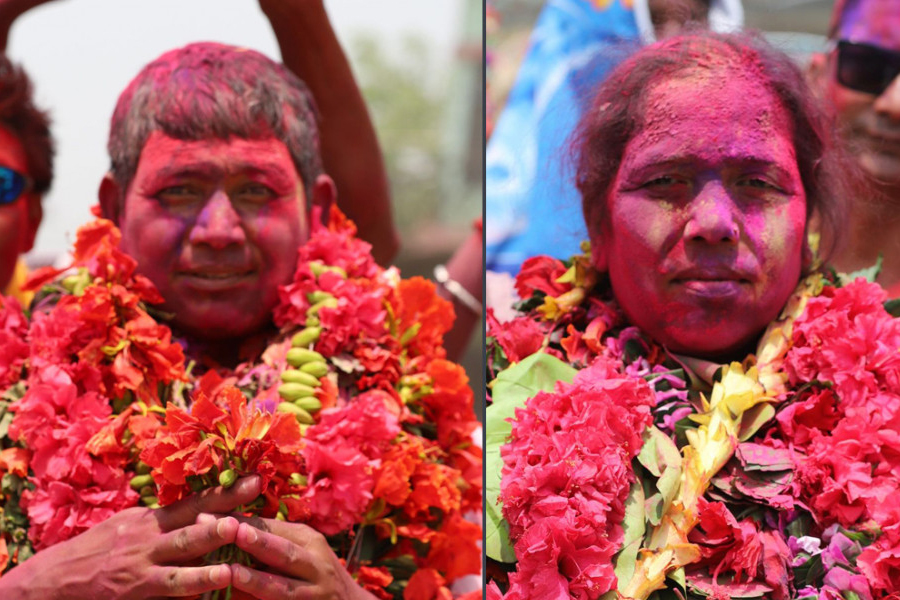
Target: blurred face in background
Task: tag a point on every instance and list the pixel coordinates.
(670, 16)
(20, 208)
(863, 83)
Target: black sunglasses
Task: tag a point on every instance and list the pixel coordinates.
(12, 185)
(866, 68)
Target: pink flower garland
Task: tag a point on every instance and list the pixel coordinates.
(567, 472)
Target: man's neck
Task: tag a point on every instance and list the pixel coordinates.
(873, 230)
(223, 354)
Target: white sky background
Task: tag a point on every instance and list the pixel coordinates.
(81, 54)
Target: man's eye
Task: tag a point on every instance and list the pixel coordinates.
(179, 194)
(254, 192)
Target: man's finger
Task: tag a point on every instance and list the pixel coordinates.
(280, 553)
(194, 541)
(215, 500)
(268, 586)
(187, 581)
(300, 534)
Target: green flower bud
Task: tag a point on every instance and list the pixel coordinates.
(139, 481)
(326, 303)
(317, 296)
(297, 376)
(308, 403)
(292, 391)
(227, 478)
(297, 357)
(315, 368)
(301, 415)
(305, 337)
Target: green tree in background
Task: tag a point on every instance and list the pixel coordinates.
(404, 92)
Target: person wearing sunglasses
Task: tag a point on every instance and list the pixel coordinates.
(26, 170)
(859, 76)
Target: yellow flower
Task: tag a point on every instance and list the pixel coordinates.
(553, 308)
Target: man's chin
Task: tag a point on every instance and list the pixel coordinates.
(220, 327)
(883, 168)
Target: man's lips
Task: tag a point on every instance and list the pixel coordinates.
(215, 277)
(885, 141)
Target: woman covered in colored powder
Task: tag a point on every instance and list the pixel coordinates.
(693, 407)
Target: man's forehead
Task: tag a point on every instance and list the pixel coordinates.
(168, 153)
(869, 21)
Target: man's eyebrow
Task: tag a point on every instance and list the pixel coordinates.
(194, 169)
(209, 168)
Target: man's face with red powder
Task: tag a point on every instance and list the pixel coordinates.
(706, 219)
(870, 122)
(215, 225)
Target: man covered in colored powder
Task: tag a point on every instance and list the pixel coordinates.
(215, 171)
(26, 170)
(860, 78)
(350, 150)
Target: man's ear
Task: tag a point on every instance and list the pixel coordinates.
(324, 194)
(35, 215)
(817, 72)
(109, 195)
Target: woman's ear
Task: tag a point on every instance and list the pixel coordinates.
(599, 258)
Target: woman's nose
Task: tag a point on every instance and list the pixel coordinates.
(713, 216)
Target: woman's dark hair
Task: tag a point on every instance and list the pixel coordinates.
(27, 122)
(616, 115)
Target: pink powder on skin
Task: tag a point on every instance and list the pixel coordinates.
(707, 213)
(215, 225)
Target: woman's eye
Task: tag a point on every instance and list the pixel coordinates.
(758, 183)
(664, 181)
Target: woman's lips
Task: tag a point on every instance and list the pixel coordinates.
(712, 288)
(712, 282)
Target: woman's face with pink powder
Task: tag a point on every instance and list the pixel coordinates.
(706, 218)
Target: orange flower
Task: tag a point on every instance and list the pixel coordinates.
(226, 438)
(15, 461)
(423, 315)
(392, 480)
(450, 405)
(433, 486)
(374, 580)
(454, 548)
(426, 584)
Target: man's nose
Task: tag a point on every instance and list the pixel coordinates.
(713, 217)
(218, 224)
(888, 102)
